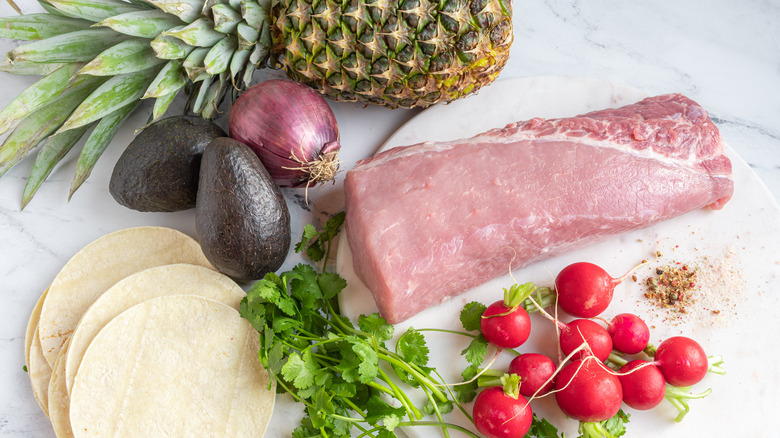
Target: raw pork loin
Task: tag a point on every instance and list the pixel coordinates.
(429, 221)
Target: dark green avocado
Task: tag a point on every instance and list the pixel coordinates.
(159, 169)
(241, 217)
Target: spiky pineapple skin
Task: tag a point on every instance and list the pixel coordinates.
(396, 53)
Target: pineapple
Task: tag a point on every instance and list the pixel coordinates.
(99, 58)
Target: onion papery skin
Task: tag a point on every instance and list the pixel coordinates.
(291, 129)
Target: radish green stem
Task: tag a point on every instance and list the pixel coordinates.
(617, 359)
(678, 397)
(544, 296)
(715, 363)
(594, 430)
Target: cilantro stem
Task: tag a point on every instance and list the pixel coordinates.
(424, 423)
(411, 409)
(454, 332)
(353, 406)
(343, 326)
(292, 393)
(327, 255)
(347, 419)
(379, 387)
(388, 356)
(455, 399)
(436, 411)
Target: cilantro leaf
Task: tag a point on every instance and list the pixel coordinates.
(343, 389)
(315, 242)
(617, 424)
(467, 391)
(359, 362)
(378, 410)
(322, 408)
(541, 428)
(476, 351)
(309, 233)
(283, 324)
(255, 314)
(391, 422)
(303, 286)
(306, 430)
(471, 315)
(275, 357)
(412, 347)
(340, 428)
(333, 225)
(300, 369)
(311, 243)
(331, 284)
(376, 326)
(444, 407)
(369, 362)
(268, 289)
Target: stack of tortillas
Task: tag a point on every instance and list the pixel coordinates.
(138, 335)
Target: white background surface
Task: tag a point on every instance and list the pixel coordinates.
(721, 53)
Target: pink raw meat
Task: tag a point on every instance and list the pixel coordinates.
(429, 221)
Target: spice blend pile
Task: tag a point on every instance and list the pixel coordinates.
(705, 290)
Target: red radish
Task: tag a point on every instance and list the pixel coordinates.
(578, 331)
(585, 290)
(535, 371)
(586, 390)
(629, 333)
(643, 388)
(499, 415)
(504, 323)
(682, 361)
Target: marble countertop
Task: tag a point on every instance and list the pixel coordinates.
(721, 53)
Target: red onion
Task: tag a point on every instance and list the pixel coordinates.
(291, 128)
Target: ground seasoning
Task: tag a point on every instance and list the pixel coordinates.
(705, 290)
(673, 287)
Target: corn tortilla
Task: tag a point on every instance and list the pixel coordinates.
(150, 283)
(38, 370)
(96, 267)
(32, 327)
(177, 365)
(59, 402)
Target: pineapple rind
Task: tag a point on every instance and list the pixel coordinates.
(397, 53)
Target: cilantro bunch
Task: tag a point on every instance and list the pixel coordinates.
(347, 376)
